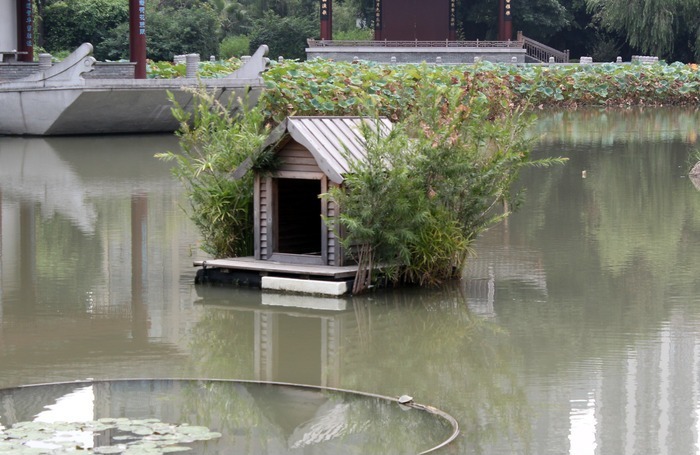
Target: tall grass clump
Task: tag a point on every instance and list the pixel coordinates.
(413, 208)
(214, 140)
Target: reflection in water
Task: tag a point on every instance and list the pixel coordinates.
(71, 292)
(610, 127)
(76, 406)
(391, 343)
(252, 418)
(582, 435)
(574, 330)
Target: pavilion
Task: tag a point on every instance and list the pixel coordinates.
(427, 20)
(416, 31)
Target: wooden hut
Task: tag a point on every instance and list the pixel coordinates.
(313, 154)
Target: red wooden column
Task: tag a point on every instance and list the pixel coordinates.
(25, 30)
(452, 35)
(505, 20)
(327, 19)
(378, 36)
(137, 36)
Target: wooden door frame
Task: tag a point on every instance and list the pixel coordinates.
(273, 222)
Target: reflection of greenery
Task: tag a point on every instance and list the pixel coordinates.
(637, 214)
(451, 359)
(66, 258)
(423, 343)
(617, 245)
(222, 343)
(592, 126)
(230, 409)
(281, 419)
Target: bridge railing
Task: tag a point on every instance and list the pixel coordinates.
(542, 52)
(415, 43)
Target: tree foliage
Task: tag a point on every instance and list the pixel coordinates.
(68, 24)
(285, 36)
(598, 28)
(665, 28)
(170, 31)
(176, 31)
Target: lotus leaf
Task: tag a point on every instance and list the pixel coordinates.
(145, 436)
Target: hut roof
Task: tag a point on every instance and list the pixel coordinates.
(331, 140)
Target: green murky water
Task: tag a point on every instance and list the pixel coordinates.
(575, 330)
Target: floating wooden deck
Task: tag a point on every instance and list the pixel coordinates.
(265, 268)
(277, 276)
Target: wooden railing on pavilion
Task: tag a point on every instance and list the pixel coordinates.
(416, 43)
(542, 52)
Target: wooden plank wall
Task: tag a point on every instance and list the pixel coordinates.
(295, 158)
(334, 258)
(262, 218)
(296, 162)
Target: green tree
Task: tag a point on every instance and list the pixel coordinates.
(350, 21)
(285, 36)
(184, 30)
(68, 24)
(664, 28)
(538, 19)
(234, 17)
(170, 31)
(382, 205)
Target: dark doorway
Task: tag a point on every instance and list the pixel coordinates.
(422, 20)
(298, 216)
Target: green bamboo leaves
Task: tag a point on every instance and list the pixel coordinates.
(214, 142)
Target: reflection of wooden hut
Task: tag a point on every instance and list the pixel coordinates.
(313, 154)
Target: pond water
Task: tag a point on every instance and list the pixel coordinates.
(576, 329)
(133, 416)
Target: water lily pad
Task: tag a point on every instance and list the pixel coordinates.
(110, 449)
(140, 437)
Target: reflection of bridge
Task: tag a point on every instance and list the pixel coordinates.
(70, 196)
(62, 175)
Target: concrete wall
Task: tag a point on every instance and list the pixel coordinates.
(103, 70)
(8, 25)
(416, 54)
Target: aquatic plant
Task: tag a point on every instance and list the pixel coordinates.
(206, 69)
(128, 436)
(334, 88)
(423, 194)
